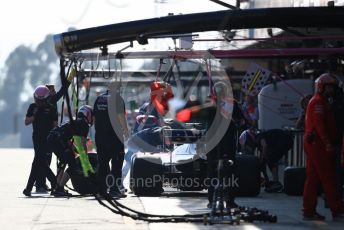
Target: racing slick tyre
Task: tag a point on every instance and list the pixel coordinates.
(294, 180)
(248, 173)
(85, 185)
(146, 175)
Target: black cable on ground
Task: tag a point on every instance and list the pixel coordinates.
(242, 213)
(155, 219)
(115, 202)
(72, 189)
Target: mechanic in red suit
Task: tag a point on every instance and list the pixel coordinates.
(320, 130)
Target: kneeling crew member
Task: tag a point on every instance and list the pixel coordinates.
(59, 140)
(273, 144)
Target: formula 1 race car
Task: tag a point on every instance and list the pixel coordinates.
(180, 163)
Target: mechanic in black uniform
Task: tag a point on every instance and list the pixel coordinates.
(59, 141)
(109, 137)
(52, 100)
(273, 144)
(54, 96)
(43, 118)
(226, 148)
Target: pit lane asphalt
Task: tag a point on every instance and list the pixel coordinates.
(43, 211)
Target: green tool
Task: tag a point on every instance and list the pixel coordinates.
(85, 162)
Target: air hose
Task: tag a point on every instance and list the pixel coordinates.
(234, 217)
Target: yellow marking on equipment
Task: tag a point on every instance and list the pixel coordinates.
(254, 80)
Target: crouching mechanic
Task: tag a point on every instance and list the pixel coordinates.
(273, 144)
(59, 141)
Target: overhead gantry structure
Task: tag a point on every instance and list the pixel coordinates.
(141, 30)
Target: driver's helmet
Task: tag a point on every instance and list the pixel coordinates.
(161, 93)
